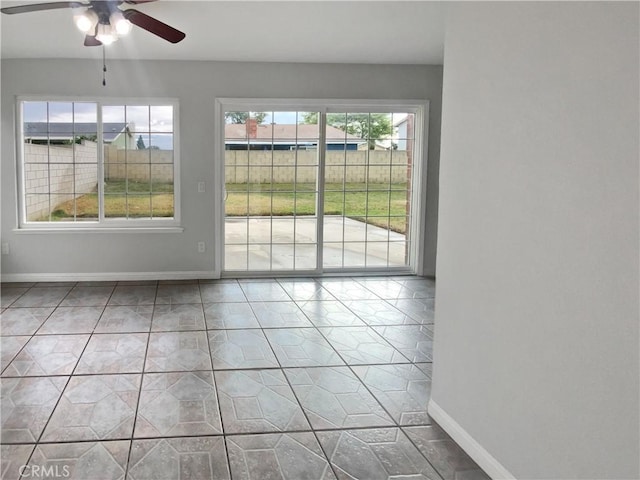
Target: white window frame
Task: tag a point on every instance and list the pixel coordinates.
(102, 223)
(417, 229)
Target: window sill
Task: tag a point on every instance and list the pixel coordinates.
(41, 230)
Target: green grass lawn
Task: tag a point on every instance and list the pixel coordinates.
(121, 199)
(374, 206)
(382, 205)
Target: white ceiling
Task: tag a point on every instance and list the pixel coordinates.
(395, 32)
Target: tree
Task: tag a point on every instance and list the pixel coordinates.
(140, 143)
(369, 126)
(241, 117)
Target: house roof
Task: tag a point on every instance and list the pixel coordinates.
(64, 131)
(286, 133)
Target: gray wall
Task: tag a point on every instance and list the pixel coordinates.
(536, 337)
(196, 85)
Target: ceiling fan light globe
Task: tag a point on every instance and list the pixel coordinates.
(86, 21)
(106, 34)
(122, 26)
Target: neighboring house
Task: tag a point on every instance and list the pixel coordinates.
(400, 132)
(252, 136)
(114, 133)
(237, 136)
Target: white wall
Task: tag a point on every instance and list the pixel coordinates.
(196, 85)
(536, 338)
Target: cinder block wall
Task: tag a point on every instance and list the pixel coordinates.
(138, 165)
(374, 166)
(50, 171)
(52, 176)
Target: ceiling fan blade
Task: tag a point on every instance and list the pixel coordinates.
(37, 7)
(91, 41)
(154, 26)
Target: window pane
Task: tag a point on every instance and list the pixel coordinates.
(85, 113)
(87, 207)
(162, 205)
(37, 208)
(58, 137)
(284, 177)
(61, 179)
(235, 257)
(283, 229)
(162, 178)
(161, 147)
(354, 254)
(85, 148)
(333, 229)
(60, 117)
(259, 230)
(378, 204)
(403, 124)
(260, 178)
(259, 257)
(305, 232)
(282, 257)
(138, 178)
(161, 118)
(400, 176)
(115, 205)
(236, 175)
(305, 177)
(34, 111)
(332, 254)
(141, 163)
(305, 257)
(138, 118)
(305, 203)
(377, 254)
(115, 178)
(283, 204)
(138, 150)
(139, 206)
(356, 175)
(259, 204)
(113, 114)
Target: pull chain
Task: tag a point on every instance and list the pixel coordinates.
(104, 68)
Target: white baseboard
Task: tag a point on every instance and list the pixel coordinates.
(105, 276)
(484, 459)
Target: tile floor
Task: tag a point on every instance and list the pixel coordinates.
(248, 379)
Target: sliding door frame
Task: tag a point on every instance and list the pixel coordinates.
(417, 227)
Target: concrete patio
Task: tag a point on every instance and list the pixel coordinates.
(267, 243)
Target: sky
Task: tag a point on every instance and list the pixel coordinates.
(144, 118)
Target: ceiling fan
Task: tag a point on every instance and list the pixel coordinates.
(103, 21)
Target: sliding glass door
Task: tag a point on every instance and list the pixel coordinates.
(271, 183)
(367, 189)
(308, 191)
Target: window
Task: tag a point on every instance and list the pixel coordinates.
(96, 163)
